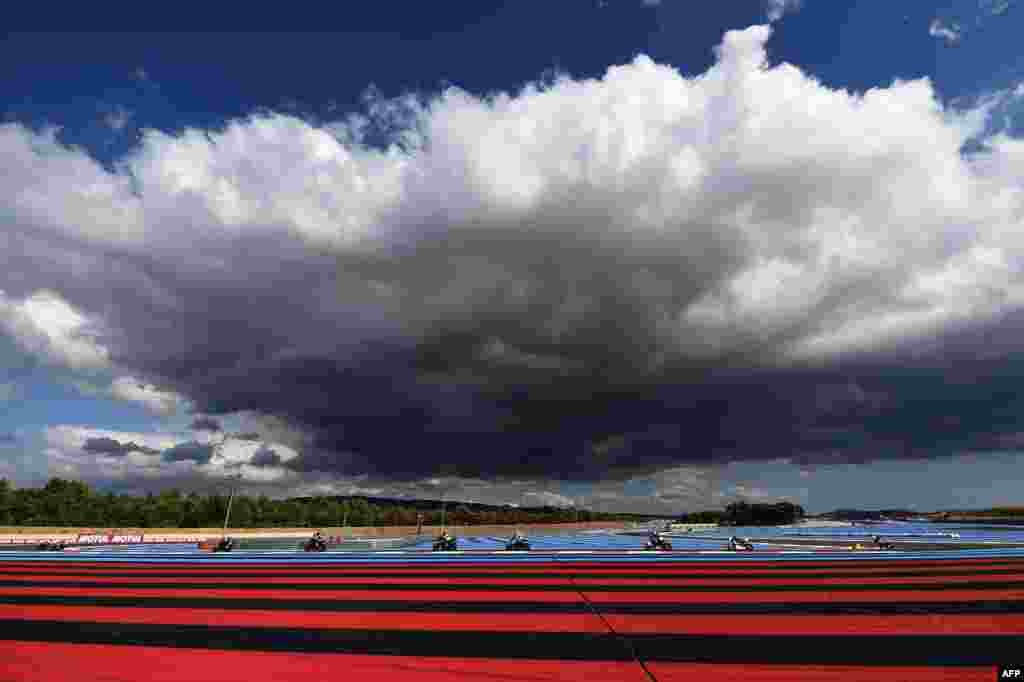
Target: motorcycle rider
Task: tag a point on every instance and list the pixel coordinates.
(736, 543)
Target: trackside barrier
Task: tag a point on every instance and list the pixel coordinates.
(176, 539)
(109, 539)
(102, 539)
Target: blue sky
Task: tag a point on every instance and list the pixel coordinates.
(429, 286)
(170, 81)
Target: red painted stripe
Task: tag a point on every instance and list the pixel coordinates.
(514, 622)
(1006, 624)
(496, 622)
(705, 672)
(298, 571)
(291, 580)
(539, 596)
(368, 595)
(51, 662)
(824, 582)
(922, 596)
(595, 582)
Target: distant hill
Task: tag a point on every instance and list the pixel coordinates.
(1013, 515)
(434, 505)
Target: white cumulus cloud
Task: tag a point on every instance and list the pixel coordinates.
(149, 396)
(545, 498)
(47, 326)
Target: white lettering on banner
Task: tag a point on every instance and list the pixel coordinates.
(109, 539)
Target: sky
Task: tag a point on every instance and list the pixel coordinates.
(631, 255)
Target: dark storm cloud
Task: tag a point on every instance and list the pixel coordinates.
(204, 423)
(265, 457)
(247, 435)
(114, 448)
(191, 451)
(599, 280)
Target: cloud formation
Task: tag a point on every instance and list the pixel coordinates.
(192, 451)
(114, 448)
(951, 34)
(10, 391)
(148, 396)
(144, 462)
(546, 498)
(118, 119)
(204, 423)
(585, 280)
(265, 457)
(44, 325)
(779, 8)
(954, 26)
(995, 7)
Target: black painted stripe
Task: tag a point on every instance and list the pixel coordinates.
(513, 587)
(627, 608)
(861, 650)
(565, 575)
(849, 608)
(331, 605)
(568, 646)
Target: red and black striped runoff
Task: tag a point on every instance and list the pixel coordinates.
(594, 621)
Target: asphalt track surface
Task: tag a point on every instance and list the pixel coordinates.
(176, 614)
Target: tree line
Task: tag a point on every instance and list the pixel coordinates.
(64, 502)
(746, 514)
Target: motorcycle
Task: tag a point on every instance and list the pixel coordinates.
(737, 544)
(658, 544)
(517, 543)
(315, 545)
(445, 543)
(225, 545)
(882, 545)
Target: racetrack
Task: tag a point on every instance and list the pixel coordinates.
(547, 615)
